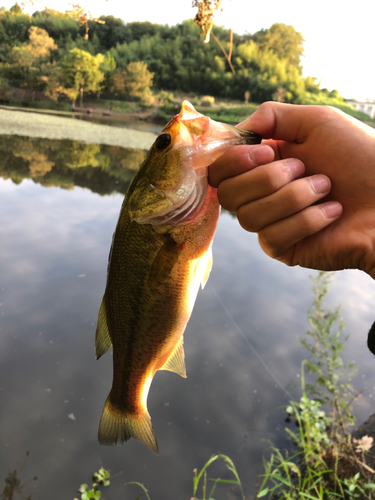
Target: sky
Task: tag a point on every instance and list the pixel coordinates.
(339, 47)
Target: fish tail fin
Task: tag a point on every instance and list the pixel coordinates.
(116, 427)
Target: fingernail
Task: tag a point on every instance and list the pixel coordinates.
(294, 167)
(331, 209)
(260, 155)
(320, 183)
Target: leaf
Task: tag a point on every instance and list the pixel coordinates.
(306, 495)
(279, 478)
(227, 481)
(263, 493)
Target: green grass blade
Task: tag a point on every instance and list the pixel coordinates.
(141, 486)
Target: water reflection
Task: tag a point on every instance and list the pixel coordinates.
(54, 247)
(100, 168)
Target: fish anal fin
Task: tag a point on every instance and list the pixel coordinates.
(176, 361)
(164, 262)
(103, 339)
(116, 427)
(207, 262)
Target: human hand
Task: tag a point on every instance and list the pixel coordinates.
(335, 154)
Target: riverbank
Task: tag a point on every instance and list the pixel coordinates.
(61, 125)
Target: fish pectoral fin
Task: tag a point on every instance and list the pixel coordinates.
(176, 361)
(116, 427)
(208, 260)
(164, 262)
(103, 339)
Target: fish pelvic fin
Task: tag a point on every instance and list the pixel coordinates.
(116, 427)
(103, 339)
(176, 361)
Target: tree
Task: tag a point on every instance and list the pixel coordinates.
(284, 41)
(138, 80)
(39, 47)
(28, 61)
(77, 73)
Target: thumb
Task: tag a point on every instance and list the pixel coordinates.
(285, 122)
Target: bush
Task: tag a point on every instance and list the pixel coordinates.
(207, 100)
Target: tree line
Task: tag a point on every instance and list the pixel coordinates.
(50, 52)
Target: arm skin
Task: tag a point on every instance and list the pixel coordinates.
(308, 190)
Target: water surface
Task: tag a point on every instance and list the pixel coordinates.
(59, 204)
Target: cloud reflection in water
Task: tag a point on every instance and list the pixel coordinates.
(54, 247)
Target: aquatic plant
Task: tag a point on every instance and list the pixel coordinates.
(100, 478)
(14, 484)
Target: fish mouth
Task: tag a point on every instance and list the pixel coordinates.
(246, 136)
(214, 140)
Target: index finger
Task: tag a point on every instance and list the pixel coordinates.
(238, 160)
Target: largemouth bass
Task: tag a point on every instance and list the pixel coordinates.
(161, 253)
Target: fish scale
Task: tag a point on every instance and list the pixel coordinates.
(160, 255)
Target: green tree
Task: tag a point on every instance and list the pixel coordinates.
(77, 73)
(5, 89)
(284, 41)
(138, 80)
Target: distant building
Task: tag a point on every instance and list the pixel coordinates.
(367, 106)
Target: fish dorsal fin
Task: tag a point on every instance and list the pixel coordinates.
(176, 361)
(208, 266)
(164, 262)
(103, 339)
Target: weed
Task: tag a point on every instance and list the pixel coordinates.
(14, 484)
(100, 478)
(198, 476)
(327, 463)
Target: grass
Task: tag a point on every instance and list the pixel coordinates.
(224, 110)
(327, 462)
(42, 105)
(200, 480)
(229, 114)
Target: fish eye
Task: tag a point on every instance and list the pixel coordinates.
(163, 141)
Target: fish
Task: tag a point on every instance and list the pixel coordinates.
(161, 253)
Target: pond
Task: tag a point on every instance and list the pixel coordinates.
(59, 204)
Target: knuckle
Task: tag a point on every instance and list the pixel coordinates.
(271, 180)
(246, 219)
(269, 240)
(225, 199)
(300, 195)
(309, 220)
